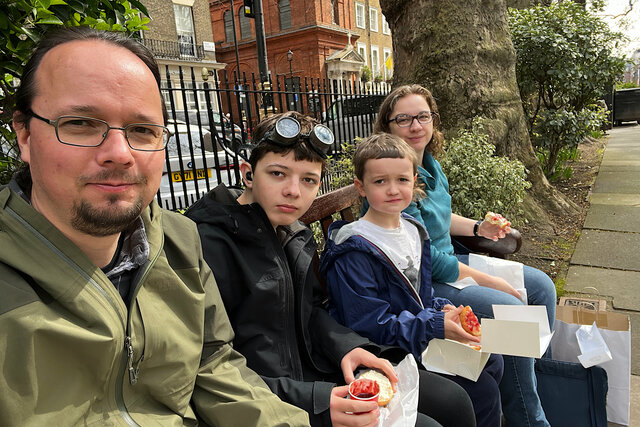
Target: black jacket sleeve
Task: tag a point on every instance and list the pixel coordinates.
(313, 397)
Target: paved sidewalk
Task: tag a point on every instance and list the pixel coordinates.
(607, 253)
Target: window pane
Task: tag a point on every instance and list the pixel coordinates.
(284, 8)
(228, 26)
(360, 15)
(184, 28)
(245, 25)
(373, 19)
(385, 26)
(375, 61)
(362, 50)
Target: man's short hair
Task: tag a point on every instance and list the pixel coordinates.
(28, 88)
(301, 149)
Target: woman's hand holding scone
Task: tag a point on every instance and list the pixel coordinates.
(361, 357)
(494, 227)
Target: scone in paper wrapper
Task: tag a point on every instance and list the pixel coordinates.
(386, 391)
(402, 411)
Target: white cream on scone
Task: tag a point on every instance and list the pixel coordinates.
(386, 391)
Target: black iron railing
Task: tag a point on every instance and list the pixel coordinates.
(174, 49)
(222, 112)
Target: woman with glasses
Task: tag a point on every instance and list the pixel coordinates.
(411, 113)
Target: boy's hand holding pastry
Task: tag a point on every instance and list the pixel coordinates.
(361, 357)
(453, 329)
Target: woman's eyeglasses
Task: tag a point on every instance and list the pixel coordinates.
(406, 120)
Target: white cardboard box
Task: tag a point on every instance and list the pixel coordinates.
(517, 330)
(454, 358)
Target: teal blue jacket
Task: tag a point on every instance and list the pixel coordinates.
(434, 212)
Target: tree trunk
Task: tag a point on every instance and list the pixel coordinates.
(462, 52)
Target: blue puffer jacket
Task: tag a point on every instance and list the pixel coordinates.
(368, 294)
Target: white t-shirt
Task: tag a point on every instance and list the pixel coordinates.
(402, 245)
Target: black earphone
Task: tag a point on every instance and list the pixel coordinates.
(248, 176)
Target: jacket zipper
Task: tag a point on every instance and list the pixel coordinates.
(126, 364)
(290, 333)
(119, 399)
(128, 345)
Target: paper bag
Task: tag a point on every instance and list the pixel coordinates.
(615, 330)
(402, 411)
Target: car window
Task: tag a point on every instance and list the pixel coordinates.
(183, 138)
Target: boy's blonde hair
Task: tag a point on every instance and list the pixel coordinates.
(385, 146)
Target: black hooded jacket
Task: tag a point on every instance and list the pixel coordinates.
(274, 301)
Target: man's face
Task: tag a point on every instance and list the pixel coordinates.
(94, 190)
(285, 187)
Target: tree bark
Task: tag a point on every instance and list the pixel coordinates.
(462, 52)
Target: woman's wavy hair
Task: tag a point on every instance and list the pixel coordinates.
(386, 108)
(386, 146)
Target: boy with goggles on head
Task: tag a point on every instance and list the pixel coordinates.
(262, 259)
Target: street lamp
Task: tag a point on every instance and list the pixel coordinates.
(290, 59)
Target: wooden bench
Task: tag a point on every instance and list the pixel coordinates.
(343, 201)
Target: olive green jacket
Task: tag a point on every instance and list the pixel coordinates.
(72, 353)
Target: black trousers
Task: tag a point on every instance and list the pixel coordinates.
(485, 393)
(443, 402)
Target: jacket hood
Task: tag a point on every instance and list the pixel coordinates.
(220, 208)
(341, 238)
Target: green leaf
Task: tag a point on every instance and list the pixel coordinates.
(50, 20)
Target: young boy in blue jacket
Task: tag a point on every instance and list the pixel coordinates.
(378, 270)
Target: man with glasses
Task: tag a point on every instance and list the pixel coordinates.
(109, 314)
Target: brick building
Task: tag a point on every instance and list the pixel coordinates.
(374, 43)
(314, 31)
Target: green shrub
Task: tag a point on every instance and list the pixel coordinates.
(565, 64)
(558, 130)
(366, 74)
(340, 168)
(481, 182)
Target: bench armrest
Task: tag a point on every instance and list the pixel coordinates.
(507, 246)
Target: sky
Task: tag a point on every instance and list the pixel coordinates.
(632, 21)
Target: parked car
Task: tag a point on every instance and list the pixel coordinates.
(352, 116)
(196, 163)
(232, 134)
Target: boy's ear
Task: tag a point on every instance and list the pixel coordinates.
(359, 186)
(247, 174)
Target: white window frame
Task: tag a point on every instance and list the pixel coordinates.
(360, 47)
(185, 27)
(375, 65)
(385, 26)
(360, 18)
(386, 53)
(373, 19)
